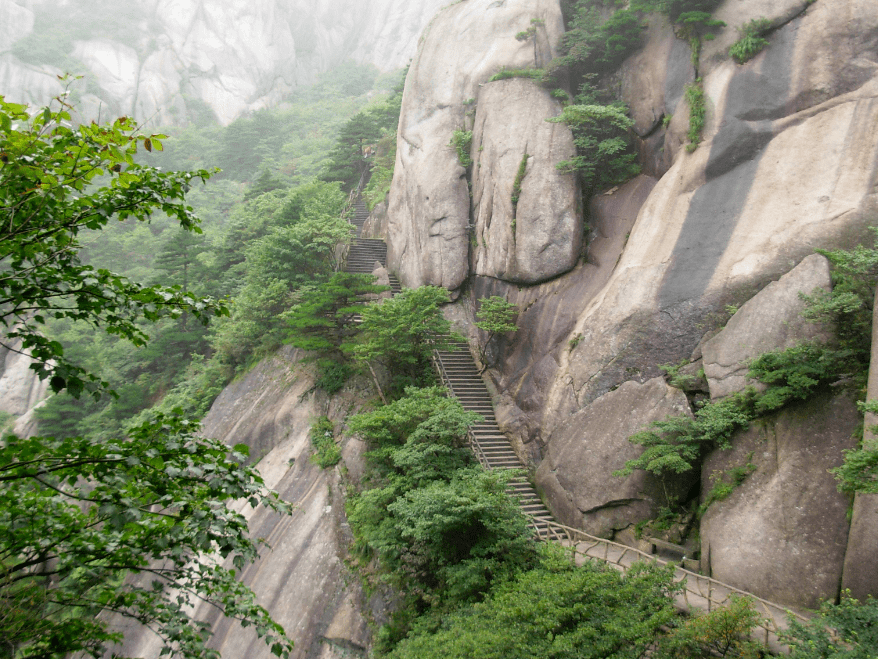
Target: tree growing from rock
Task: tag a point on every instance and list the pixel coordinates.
(495, 316)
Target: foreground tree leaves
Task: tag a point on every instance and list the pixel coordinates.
(57, 181)
(78, 517)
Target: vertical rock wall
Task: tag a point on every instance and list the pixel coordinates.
(429, 229)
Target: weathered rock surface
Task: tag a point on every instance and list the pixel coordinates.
(467, 43)
(782, 534)
(20, 388)
(540, 237)
(860, 575)
(576, 475)
(233, 55)
(302, 580)
(772, 320)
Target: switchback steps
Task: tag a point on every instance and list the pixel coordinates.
(459, 373)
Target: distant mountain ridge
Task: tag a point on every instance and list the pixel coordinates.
(169, 61)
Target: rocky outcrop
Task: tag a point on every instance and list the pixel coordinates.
(860, 576)
(302, 579)
(528, 225)
(772, 320)
(230, 56)
(782, 534)
(467, 43)
(783, 169)
(576, 475)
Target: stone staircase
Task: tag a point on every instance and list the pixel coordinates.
(364, 252)
(460, 374)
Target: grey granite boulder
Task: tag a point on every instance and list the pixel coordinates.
(771, 320)
(576, 474)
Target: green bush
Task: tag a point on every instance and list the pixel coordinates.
(326, 452)
(554, 612)
(605, 156)
(516, 184)
(462, 141)
(697, 112)
(505, 74)
(847, 630)
(752, 40)
(723, 632)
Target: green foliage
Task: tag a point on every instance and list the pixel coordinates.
(447, 529)
(461, 141)
(697, 112)
(324, 318)
(592, 45)
(530, 32)
(847, 630)
(554, 612)
(382, 170)
(495, 316)
(50, 192)
(402, 332)
(350, 158)
(752, 40)
(506, 74)
(516, 184)
(676, 379)
(326, 452)
(605, 156)
(724, 483)
(84, 518)
(78, 514)
(723, 632)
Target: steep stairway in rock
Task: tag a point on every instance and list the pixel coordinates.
(365, 252)
(460, 374)
(361, 214)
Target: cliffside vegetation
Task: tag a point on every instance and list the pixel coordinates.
(678, 444)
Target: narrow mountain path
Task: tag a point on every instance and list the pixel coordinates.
(458, 371)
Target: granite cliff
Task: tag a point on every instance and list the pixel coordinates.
(789, 163)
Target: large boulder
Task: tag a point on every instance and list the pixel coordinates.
(771, 320)
(466, 44)
(782, 533)
(539, 237)
(576, 475)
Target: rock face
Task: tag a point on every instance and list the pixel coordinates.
(539, 236)
(302, 580)
(20, 388)
(231, 55)
(576, 475)
(771, 320)
(782, 534)
(860, 576)
(788, 162)
(429, 212)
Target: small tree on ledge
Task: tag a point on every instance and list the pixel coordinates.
(495, 316)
